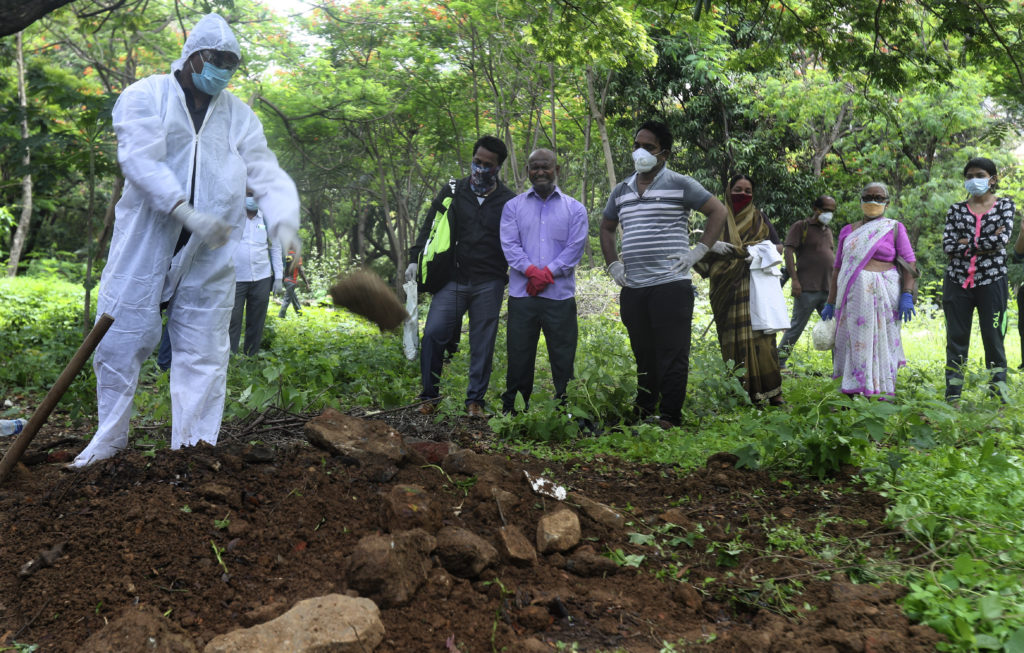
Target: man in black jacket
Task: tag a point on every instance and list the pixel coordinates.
(478, 279)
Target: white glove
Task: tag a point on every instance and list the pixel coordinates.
(617, 271)
(288, 236)
(278, 286)
(410, 272)
(722, 247)
(211, 229)
(685, 261)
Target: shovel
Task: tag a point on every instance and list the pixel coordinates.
(53, 396)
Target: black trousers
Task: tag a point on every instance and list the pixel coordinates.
(527, 318)
(658, 321)
(252, 299)
(959, 305)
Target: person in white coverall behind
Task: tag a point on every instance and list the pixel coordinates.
(188, 150)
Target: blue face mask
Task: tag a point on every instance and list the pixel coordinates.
(976, 186)
(250, 204)
(213, 80)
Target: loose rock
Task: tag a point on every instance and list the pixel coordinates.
(390, 569)
(362, 439)
(602, 514)
(516, 547)
(410, 506)
(335, 622)
(558, 531)
(463, 553)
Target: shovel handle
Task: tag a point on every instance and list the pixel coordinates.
(53, 396)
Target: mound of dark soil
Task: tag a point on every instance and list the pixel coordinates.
(284, 518)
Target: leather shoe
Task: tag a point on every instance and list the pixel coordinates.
(474, 409)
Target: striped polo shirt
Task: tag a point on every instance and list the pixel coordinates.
(654, 225)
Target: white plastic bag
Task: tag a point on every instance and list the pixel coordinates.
(411, 330)
(824, 334)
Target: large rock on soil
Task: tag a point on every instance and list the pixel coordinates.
(362, 439)
(410, 506)
(140, 629)
(335, 623)
(463, 553)
(602, 514)
(558, 531)
(390, 569)
(516, 547)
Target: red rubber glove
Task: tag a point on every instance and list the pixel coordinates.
(546, 275)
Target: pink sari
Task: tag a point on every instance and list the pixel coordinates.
(869, 348)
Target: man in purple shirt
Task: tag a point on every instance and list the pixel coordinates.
(542, 234)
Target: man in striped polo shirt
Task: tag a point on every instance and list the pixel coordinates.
(656, 303)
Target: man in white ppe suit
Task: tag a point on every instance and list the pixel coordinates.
(188, 150)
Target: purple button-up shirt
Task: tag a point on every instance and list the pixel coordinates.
(548, 233)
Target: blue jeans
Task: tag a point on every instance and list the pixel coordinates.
(803, 306)
(482, 299)
(289, 299)
(163, 355)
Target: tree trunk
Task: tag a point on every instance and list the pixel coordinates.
(554, 140)
(587, 248)
(86, 308)
(26, 159)
(597, 111)
(95, 252)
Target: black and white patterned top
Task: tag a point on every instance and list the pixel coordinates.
(990, 247)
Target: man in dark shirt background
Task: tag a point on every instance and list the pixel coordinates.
(810, 254)
(478, 281)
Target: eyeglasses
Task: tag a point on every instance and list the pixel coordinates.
(650, 147)
(882, 199)
(225, 60)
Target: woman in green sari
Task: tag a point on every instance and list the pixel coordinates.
(729, 272)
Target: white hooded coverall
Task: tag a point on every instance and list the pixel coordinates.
(157, 148)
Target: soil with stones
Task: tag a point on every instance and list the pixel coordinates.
(212, 539)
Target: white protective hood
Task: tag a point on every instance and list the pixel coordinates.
(210, 33)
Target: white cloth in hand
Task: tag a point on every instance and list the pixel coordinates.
(211, 229)
(686, 260)
(410, 272)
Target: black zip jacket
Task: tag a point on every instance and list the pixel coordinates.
(476, 228)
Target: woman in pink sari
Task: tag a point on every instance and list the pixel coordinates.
(869, 296)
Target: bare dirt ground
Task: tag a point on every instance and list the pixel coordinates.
(142, 530)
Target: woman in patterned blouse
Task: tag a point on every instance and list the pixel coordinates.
(975, 238)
